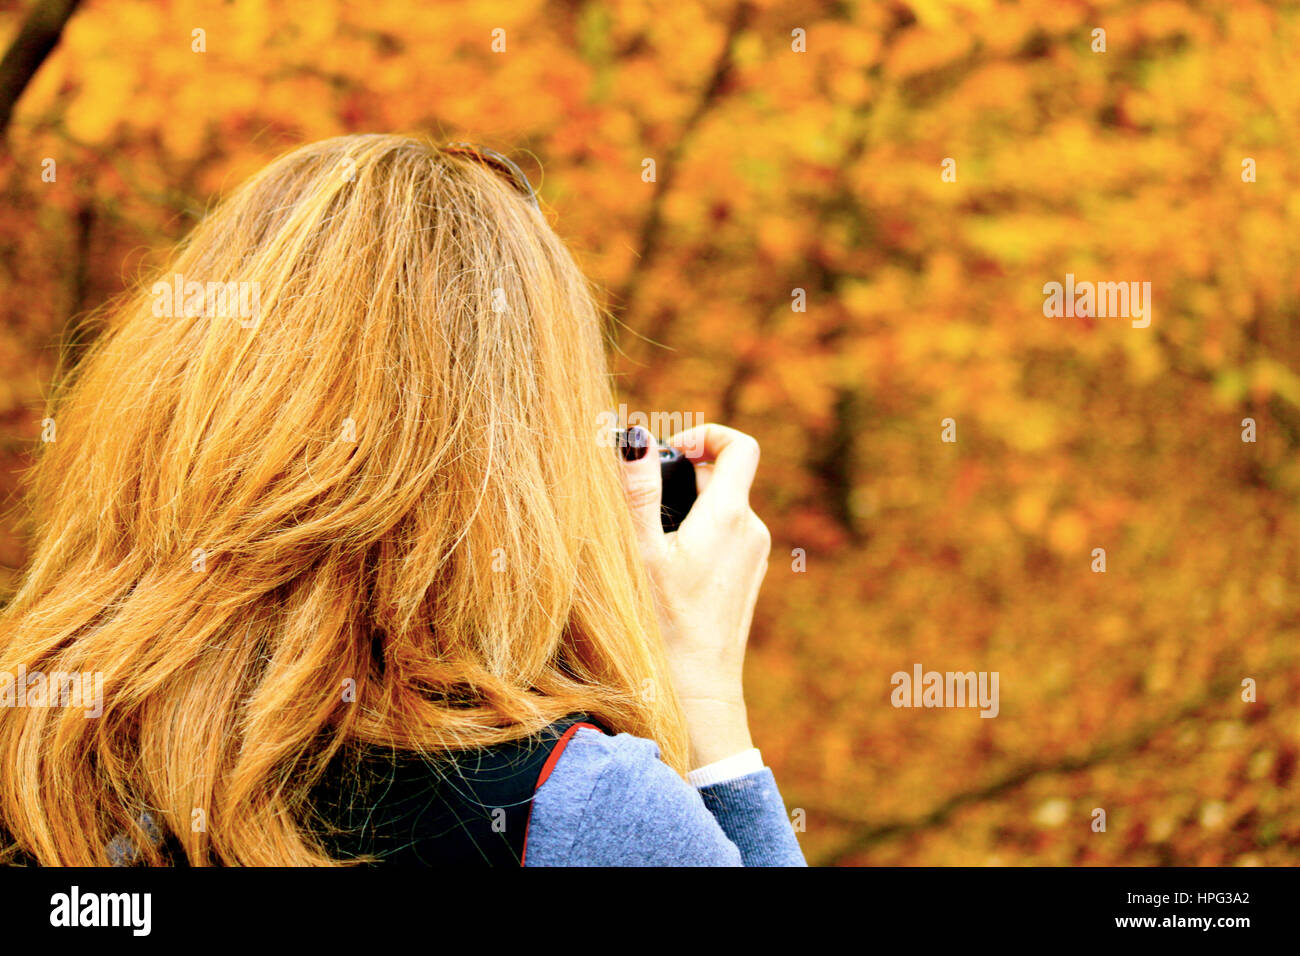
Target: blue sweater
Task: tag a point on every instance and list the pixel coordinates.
(610, 801)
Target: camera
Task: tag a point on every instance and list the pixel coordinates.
(678, 478)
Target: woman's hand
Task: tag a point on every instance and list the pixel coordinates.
(706, 577)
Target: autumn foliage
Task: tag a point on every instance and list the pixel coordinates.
(801, 267)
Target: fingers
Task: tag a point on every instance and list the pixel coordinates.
(643, 484)
(733, 453)
(703, 476)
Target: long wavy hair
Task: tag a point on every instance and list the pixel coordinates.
(371, 509)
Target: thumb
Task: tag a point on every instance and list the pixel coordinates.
(643, 484)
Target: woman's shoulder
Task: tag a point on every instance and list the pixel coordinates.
(610, 800)
(596, 760)
(469, 807)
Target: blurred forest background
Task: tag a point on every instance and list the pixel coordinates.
(821, 170)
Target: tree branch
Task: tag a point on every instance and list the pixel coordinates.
(38, 35)
(651, 238)
(869, 834)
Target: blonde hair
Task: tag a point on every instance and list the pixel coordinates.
(390, 481)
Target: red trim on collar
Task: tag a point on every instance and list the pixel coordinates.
(547, 767)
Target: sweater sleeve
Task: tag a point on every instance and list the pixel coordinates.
(610, 801)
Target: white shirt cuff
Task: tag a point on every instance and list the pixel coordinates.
(728, 768)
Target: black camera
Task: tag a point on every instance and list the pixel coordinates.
(678, 474)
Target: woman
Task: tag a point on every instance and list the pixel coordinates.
(360, 576)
